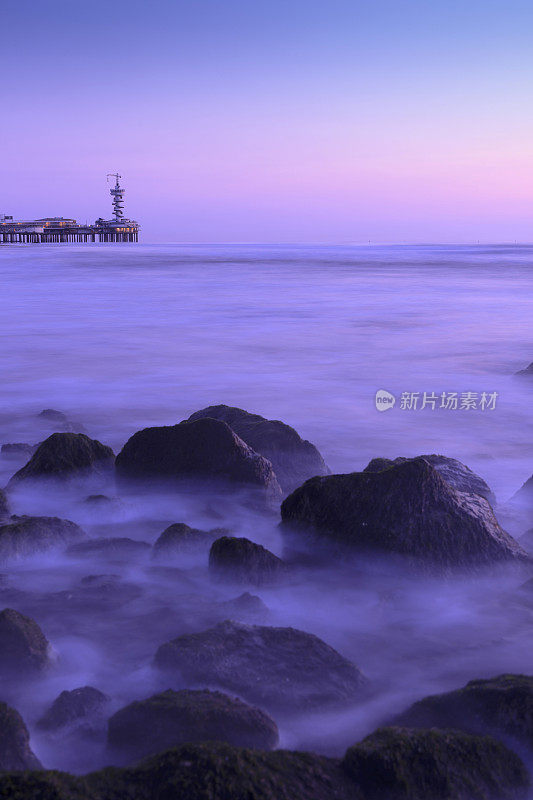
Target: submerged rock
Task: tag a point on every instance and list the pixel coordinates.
(24, 649)
(82, 707)
(18, 449)
(66, 455)
(205, 449)
(244, 607)
(15, 751)
(501, 707)
(455, 473)
(241, 561)
(60, 421)
(110, 548)
(26, 536)
(527, 372)
(407, 509)
(179, 539)
(279, 668)
(172, 718)
(294, 459)
(404, 764)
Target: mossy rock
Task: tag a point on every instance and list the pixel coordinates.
(24, 649)
(23, 537)
(173, 718)
(180, 539)
(15, 751)
(406, 764)
(239, 560)
(501, 707)
(79, 706)
(65, 455)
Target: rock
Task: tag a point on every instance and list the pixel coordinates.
(246, 606)
(265, 666)
(24, 649)
(523, 501)
(26, 536)
(526, 541)
(18, 449)
(527, 372)
(404, 764)
(99, 500)
(66, 455)
(15, 751)
(111, 548)
(52, 414)
(4, 506)
(501, 707)
(206, 449)
(408, 510)
(172, 718)
(179, 538)
(207, 771)
(241, 561)
(83, 707)
(456, 474)
(59, 421)
(294, 459)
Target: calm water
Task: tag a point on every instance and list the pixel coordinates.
(121, 337)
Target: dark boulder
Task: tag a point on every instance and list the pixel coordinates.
(66, 455)
(527, 372)
(501, 707)
(4, 506)
(294, 459)
(404, 764)
(172, 718)
(207, 449)
(113, 548)
(83, 708)
(408, 510)
(24, 649)
(179, 539)
(239, 560)
(59, 421)
(455, 473)
(26, 536)
(15, 751)
(278, 668)
(244, 607)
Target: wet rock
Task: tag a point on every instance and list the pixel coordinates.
(239, 560)
(501, 707)
(172, 718)
(118, 548)
(244, 607)
(179, 539)
(522, 503)
(18, 449)
(404, 764)
(408, 510)
(294, 459)
(26, 536)
(207, 771)
(15, 751)
(527, 372)
(82, 708)
(4, 506)
(66, 455)
(456, 474)
(53, 414)
(24, 649)
(59, 421)
(99, 500)
(265, 666)
(206, 449)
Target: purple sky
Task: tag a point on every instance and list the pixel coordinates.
(232, 120)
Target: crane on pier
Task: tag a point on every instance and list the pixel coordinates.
(117, 193)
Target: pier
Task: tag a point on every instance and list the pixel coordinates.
(66, 230)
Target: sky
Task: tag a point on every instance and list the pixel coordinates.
(280, 121)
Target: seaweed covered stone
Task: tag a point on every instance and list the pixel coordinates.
(408, 510)
(24, 649)
(203, 449)
(172, 718)
(239, 560)
(66, 455)
(15, 751)
(276, 668)
(404, 764)
(501, 707)
(23, 537)
(294, 459)
(83, 707)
